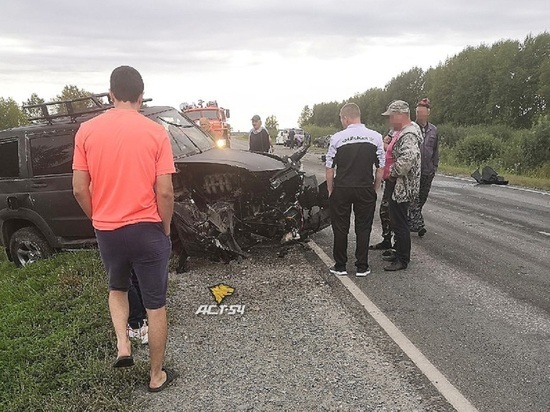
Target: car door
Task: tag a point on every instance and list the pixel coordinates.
(13, 185)
(51, 189)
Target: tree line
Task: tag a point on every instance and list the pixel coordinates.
(491, 105)
(12, 113)
(507, 83)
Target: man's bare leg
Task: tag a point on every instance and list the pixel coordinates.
(119, 308)
(157, 344)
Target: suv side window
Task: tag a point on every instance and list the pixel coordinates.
(52, 155)
(9, 158)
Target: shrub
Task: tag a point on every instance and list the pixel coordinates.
(318, 131)
(478, 148)
(542, 172)
(536, 145)
(450, 135)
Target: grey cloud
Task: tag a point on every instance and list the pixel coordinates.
(190, 35)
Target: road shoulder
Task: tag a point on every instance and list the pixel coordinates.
(303, 343)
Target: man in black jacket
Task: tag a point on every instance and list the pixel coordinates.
(429, 151)
(353, 154)
(258, 139)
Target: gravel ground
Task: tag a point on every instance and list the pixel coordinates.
(301, 345)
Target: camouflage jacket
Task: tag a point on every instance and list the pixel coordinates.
(406, 169)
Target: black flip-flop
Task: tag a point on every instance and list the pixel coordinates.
(170, 376)
(124, 362)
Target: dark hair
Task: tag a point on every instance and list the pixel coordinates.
(126, 84)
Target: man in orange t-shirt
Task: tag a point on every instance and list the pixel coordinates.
(122, 179)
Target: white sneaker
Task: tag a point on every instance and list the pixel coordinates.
(363, 274)
(141, 334)
(338, 272)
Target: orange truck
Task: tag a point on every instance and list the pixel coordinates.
(215, 114)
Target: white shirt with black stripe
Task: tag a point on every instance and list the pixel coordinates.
(354, 152)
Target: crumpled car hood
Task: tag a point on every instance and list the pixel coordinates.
(252, 162)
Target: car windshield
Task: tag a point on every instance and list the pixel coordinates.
(186, 138)
(211, 114)
(193, 115)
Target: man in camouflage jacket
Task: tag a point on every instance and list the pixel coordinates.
(403, 179)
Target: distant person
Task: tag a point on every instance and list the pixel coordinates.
(122, 179)
(429, 151)
(353, 153)
(291, 138)
(307, 139)
(386, 242)
(258, 138)
(402, 178)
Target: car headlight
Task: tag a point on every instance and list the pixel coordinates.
(221, 143)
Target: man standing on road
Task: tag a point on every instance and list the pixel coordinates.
(122, 179)
(258, 138)
(353, 152)
(402, 178)
(292, 138)
(429, 151)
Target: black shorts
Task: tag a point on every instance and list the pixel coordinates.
(143, 247)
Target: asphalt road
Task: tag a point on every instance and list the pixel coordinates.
(476, 297)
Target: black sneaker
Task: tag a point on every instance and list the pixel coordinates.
(395, 266)
(389, 252)
(422, 232)
(338, 271)
(384, 245)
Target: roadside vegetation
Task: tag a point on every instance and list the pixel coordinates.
(56, 338)
(491, 105)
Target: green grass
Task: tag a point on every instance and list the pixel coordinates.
(56, 338)
(517, 180)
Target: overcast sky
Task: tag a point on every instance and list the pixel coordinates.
(264, 57)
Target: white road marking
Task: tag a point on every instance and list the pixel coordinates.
(442, 384)
(512, 187)
(544, 233)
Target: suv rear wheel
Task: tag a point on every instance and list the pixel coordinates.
(27, 245)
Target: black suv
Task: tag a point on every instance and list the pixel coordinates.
(226, 200)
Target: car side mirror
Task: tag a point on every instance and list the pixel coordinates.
(227, 113)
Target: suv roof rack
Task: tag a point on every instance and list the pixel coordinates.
(50, 111)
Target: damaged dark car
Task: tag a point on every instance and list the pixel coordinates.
(227, 201)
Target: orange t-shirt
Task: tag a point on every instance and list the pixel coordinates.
(124, 152)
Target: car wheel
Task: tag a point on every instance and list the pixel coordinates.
(27, 245)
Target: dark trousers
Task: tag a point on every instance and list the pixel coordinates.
(363, 202)
(137, 310)
(400, 227)
(416, 219)
(385, 214)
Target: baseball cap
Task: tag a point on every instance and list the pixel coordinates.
(256, 118)
(397, 106)
(425, 102)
